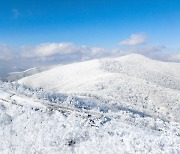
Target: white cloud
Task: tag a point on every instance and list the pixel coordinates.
(149, 49)
(98, 52)
(135, 39)
(69, 52)
(175, 57)
(5, 52)
(51, 49)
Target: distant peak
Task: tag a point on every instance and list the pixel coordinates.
(134, 57)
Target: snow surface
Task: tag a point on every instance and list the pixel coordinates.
(129, 104)
(14, 76)
(132, 81)
(30, 123)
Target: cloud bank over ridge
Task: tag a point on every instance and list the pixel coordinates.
(67, 52)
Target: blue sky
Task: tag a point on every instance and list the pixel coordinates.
(91, 22)
(43, 32)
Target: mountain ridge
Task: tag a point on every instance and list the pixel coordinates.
(122, 80)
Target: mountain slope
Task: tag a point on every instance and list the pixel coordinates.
(14, 76)
(31, 124)
(133, 81)
(63, 78)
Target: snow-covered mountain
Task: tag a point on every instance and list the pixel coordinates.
(14, 76)
(35, 121)
(129, 104)
(132, 81)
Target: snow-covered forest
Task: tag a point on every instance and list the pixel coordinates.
(116, 105)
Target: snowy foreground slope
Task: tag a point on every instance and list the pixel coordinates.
(129, 104)
(35, 121)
